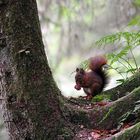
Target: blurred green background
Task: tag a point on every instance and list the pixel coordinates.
(70, 29)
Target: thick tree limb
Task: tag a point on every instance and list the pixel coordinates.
(125, 88)
(105, 117)
(132, 133)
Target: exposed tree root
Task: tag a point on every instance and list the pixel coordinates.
(111, 116)
(125, 88)
(131, 133)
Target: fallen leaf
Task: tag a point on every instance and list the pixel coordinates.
(95, 135)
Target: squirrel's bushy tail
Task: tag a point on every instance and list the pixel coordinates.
(103, 74)
(96, 64)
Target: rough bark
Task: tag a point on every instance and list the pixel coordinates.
(125, 88)
(105, 117)
(131, 133)
(30, 95)
(83, 113)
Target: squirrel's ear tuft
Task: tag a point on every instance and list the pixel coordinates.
(77, 69)
(82, 71)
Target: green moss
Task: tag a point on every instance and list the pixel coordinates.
(132, 133)
(80, 118)
(122, 90)
(101, 97)
(66, 134)
(106, 115)
(61, 101)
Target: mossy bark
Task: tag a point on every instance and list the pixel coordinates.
(125, 88)
(132, 133)
(106, 117)
(30, 97)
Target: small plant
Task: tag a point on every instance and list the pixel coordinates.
(124, 56)
(126, 42)
(84, 64)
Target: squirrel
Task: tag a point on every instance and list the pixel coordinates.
(93, 81)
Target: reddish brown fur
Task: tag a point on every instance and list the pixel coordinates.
(92, 81)
(95, 63)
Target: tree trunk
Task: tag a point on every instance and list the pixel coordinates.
(29, 93)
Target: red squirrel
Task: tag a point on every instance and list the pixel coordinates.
(93, 81)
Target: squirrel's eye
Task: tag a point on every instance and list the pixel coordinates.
(79, 78)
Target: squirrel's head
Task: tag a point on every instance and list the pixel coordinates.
(79, 78)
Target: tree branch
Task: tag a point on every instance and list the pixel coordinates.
(125, 88)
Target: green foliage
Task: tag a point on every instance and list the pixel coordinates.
(98, 98)
(124, 37)
(135, 21)
(136, 2)
(66, 12)
(101, 97)
(126, 41)
(84, 64)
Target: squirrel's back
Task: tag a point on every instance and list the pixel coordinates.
(96, 64)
